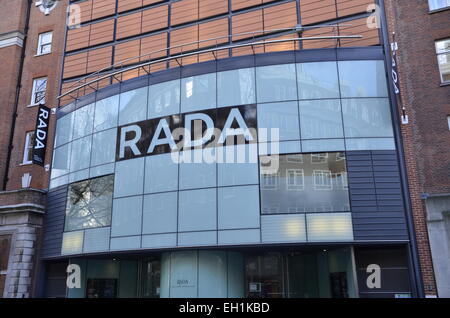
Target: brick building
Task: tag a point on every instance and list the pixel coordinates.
(138, 224)
(357, 192)
(31, 43)
(422, 31)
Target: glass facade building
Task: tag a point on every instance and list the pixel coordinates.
(286, 179)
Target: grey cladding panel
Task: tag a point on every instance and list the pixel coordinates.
(378, 207)
(54, 222)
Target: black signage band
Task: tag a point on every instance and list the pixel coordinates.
(197, 130)
(41, 135)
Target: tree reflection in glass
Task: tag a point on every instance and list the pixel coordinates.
(89, 203)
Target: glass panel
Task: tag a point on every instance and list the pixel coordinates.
(281, 116)
(197, 210)
(304, 183)
(317, 80)
(264, 275)
(183, 275)
(341, 269)
(79, 175)
(238, 165)
(106, 112)
(203, 238)
(367, 117)
(159, 240)
(64, 130)
(101, 170)
(241, 83)
(127, 216)
(164, 99)
(125, 243)
(133, 106)
(283, 228)
(235, 237)
(212, 274)
(60, 164)
(195, 172)
(96, 240)
(89, 204)
(57, 182)
(329, 227)
(161, 173)
(198, 92)
(272, 148)
(321, 119)
(233, 201)
(320, 145)
(80, 155)
(151, 272)
(72, 243)
(370, 144)
(160, 213)
(104, 147)
(276, 83)
(129, 177)
(83, 119)
(362, 79)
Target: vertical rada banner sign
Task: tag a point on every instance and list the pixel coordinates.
(41, 134)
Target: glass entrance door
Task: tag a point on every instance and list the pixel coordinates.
(150, 278)
(321, 274)
(264, 275)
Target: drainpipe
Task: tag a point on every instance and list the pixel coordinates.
(16, 101)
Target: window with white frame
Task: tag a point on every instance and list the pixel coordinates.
(269, 181)
(322, 180)
(295, 179)
(438, 4)
(39, 88)
(304, 185)
(319, 157)
(45, 43)
(28, 148)
(443, 56)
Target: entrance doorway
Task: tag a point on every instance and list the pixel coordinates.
(301, 274)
